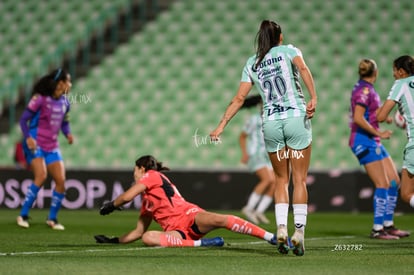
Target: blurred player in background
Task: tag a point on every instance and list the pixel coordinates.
(19, 158)
(45, 116)
(254, 154)
(365, 143)
(402, 93)
(183, 223)
(275, 70)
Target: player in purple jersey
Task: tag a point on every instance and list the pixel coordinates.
(365, 143)
(45, 116)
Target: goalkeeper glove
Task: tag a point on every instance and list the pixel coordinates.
(107, 208)
(105, 239)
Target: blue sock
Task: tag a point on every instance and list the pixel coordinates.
(55, 205)
(380, 203)
(391, 204)
(31, 196)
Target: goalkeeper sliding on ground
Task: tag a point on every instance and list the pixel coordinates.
(183, 223)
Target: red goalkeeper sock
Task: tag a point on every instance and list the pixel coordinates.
(241, 226)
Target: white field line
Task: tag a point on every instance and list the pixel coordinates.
(74, 251)
(142, 248)
(306, 239)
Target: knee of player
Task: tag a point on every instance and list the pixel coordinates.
(40, 177)
(150, 238)
(406, 196)
(271, 182)
(299, 179)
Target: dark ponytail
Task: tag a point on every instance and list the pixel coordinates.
(267, 37)
(251, 101)
(150, 163)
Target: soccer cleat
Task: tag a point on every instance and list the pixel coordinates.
(282, 240)
(298, 243)
(382, 235)
(23, 221)
(217, 241)
(261, 218)
(391, 230)
(273, 240)
(55, 225)
(250, 215)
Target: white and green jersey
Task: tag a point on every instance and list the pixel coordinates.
(255, 140)
(403, 93)
(277, 79)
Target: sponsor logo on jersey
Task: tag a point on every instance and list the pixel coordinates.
(266, 62)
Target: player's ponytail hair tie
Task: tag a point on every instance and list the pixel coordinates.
(57, 75)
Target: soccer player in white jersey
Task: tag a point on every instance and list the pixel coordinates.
(402, 93)
(275, 70)
(254, 154)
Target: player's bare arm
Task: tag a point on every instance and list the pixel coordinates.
(232, 108)
(384, 110)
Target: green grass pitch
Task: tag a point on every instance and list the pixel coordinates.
(336, 243)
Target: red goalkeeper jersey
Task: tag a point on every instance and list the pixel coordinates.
(164, 203)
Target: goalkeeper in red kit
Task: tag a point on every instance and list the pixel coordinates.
(183, 223)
